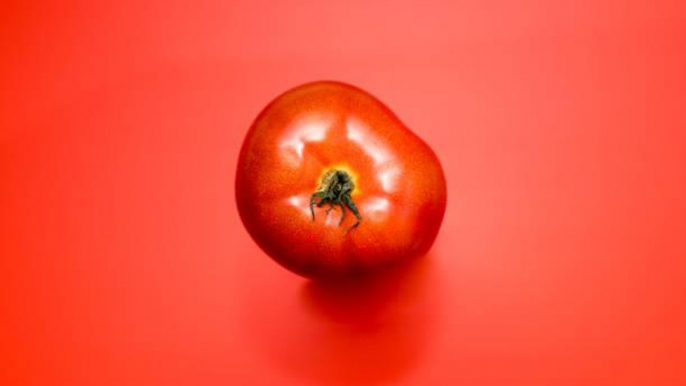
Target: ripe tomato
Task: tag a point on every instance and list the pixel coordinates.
(330, 183)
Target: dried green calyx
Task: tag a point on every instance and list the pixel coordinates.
(335, 190)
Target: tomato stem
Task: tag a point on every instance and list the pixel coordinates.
(336, 188)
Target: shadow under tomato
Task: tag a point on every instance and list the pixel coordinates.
(365, 330)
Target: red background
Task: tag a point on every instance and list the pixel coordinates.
(560, 125)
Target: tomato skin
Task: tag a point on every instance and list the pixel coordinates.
(400, 187)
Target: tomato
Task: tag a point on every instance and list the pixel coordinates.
(331, 183)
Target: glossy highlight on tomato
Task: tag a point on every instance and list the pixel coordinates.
(331, 183)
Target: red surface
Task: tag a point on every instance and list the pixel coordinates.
(560, 125)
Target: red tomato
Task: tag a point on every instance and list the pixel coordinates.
(331, 183)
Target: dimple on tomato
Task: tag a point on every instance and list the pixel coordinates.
(331, 183)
